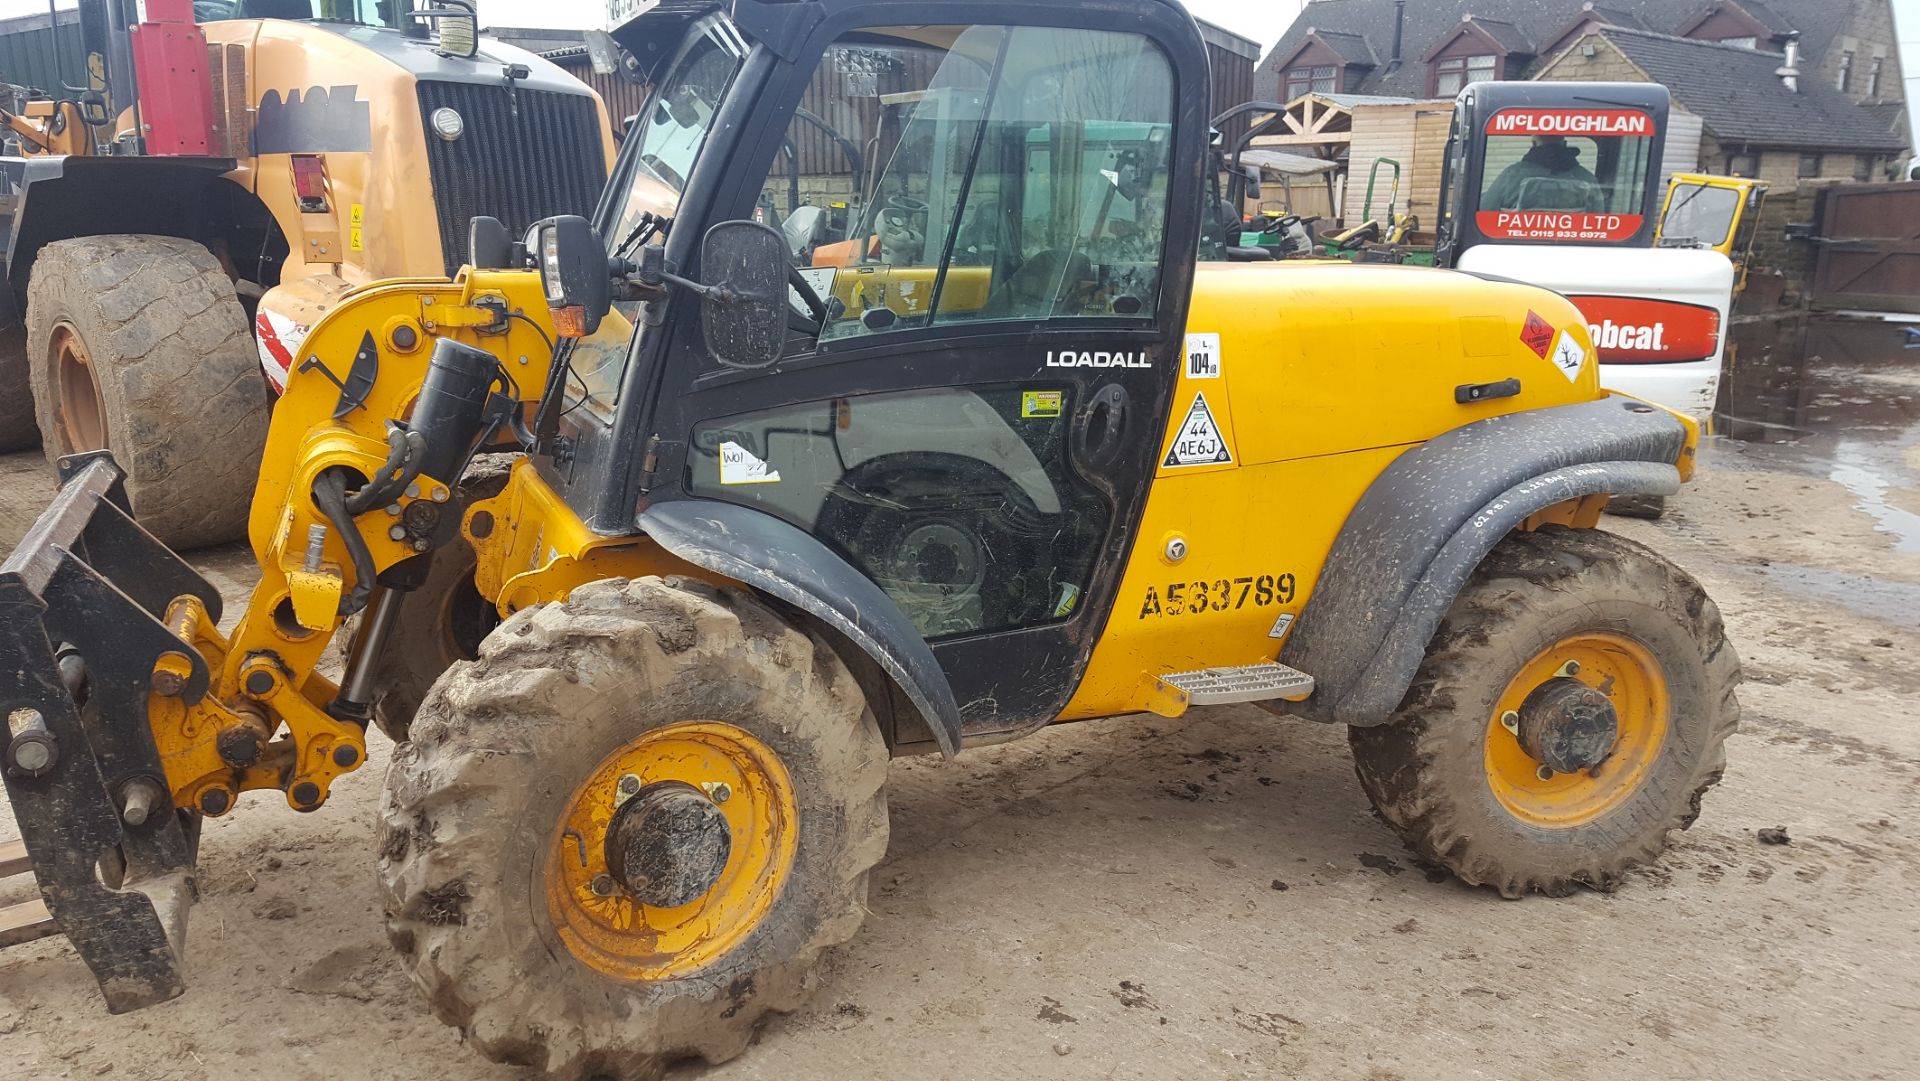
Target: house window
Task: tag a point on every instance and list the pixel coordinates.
(1324, 79)
(1451, 75)
(1744, 43)
(1747, 165)
(1845, 81)
(1873, 78)
(1865, 168)
(1809, 165)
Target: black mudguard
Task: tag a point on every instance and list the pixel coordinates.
(1432, 516)
(88, 582)
(58, 198)
(784, 561)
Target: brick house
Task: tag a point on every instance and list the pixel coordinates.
(1837, 110)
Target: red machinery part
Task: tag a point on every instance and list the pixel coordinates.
(170, 64)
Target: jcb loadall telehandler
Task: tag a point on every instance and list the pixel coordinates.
(1021, 459)
(173, 223)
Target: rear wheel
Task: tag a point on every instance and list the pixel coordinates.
(1572, 709)
(139, 345)
(625, 833)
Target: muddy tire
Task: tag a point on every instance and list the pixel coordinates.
(17, 429)
(442, 622)
(508, 916)
(139, 345)
(1464, 790)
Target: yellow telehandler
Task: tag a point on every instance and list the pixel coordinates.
(652, 540)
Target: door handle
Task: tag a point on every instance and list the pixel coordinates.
(1101, 427)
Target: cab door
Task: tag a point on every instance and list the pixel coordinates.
(991, 211)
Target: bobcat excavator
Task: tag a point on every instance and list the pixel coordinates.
(651, 539)
(177, 217)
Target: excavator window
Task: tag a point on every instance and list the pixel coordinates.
(1700, 215)
(1596, 174)
(943, 175)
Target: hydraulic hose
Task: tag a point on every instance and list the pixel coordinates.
(330, 495)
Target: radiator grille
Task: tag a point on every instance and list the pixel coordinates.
(524, 155)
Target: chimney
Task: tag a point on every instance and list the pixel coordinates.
(1399, 29)
(1789, 72)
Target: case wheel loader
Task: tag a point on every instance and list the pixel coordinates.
(172, 225)
(1018, 458)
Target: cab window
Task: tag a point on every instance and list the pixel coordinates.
(1700, 214)
(1597, 174)
(969, 174)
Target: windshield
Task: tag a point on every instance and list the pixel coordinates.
(667, 139)
(387, 13)
(1565, 174)
(1699, 214)
(673, 126)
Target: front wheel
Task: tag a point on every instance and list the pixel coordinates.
(1572, 709)
(626, 832)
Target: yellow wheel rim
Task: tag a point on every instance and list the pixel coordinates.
(615, 933)
(1631, 678)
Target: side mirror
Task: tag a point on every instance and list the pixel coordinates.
(603, 53)
(489, 246)
(459, 26)
(573, 273)
(743, 309)
(1252, 175)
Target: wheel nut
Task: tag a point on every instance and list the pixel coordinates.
(629, 788)
(718, 791)
(1545, 773)
(603, 885)
(1510, 720)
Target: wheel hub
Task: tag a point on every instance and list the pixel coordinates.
(1567, 726)
(668, 844)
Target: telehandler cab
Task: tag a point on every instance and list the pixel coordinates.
(1019, 459)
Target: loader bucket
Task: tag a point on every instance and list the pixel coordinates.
(81, 601)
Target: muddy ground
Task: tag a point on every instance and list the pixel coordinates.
(1212, 897)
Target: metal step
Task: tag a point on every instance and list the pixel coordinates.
(1224, 686)
(27, 920)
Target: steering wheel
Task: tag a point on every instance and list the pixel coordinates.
(807, 296)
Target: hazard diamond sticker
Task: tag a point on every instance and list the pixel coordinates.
(1199, 441)
(1538, 334)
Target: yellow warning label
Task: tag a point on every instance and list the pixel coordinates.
(355, 242)
(1040, 403)
(356, 215)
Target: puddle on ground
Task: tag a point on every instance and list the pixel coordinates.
(1834, 396)
(1897, 603)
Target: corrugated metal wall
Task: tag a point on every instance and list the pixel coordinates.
(1232, 85)
(29, 55)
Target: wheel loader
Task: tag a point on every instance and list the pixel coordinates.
(222, 171)
(650, 542)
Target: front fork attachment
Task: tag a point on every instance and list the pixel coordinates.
(81, 645)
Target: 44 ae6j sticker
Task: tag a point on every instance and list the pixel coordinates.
(1198, 442)
(1218, 595)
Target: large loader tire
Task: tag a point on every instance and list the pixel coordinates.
(442, 622)
(17, 429)
(1465, 770)
(138, 345)
(734, 761)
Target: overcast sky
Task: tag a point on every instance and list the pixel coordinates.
(1262, 20)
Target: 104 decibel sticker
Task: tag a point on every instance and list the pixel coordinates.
(1218, 595)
